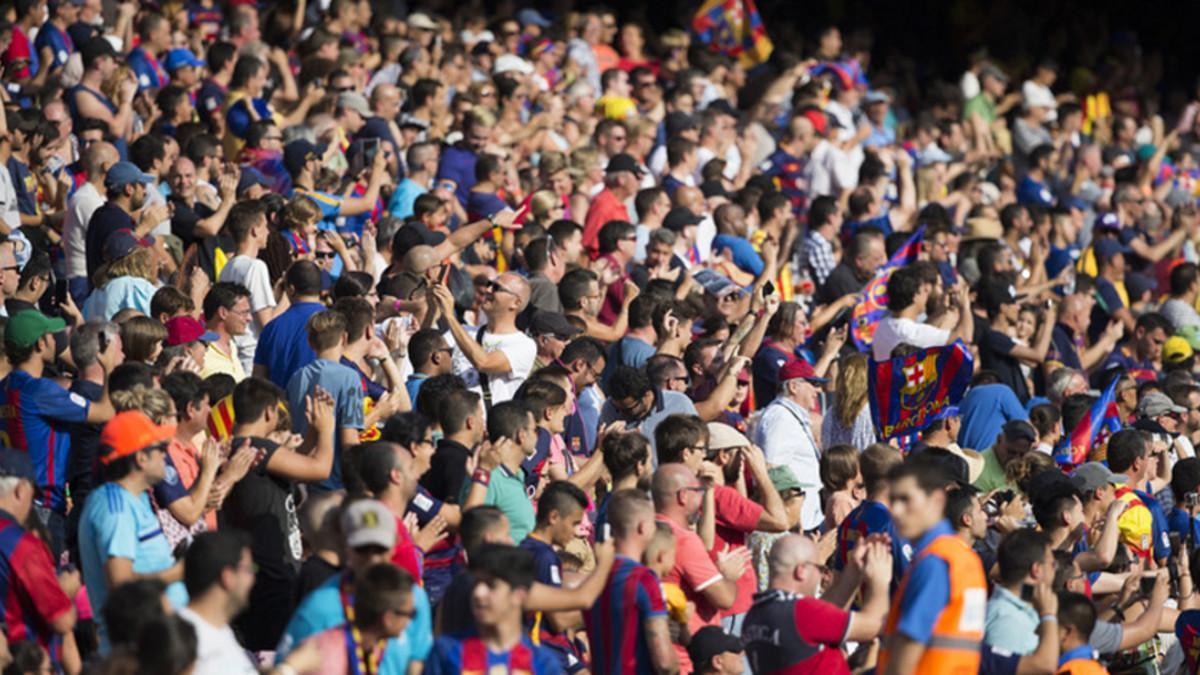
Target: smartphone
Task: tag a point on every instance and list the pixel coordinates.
(1146, 583)
(60, 292)
(443, 275)
(768, 289)
(603, 533)
(370, 149)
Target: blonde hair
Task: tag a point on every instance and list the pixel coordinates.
(851, 388)
(541, 203)
(156, 403)
(1021, 469)
(839, 466)
(140, 263)
(298, 213)
(139, 335)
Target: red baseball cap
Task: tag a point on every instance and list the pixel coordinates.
(799, 369)
(184, 329)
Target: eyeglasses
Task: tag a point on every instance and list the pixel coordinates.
(699, 488)
(324, 254)
(497, 288)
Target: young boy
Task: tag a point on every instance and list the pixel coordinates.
(327, 336)
(1076, 619)
(660, 558)
(503, 577)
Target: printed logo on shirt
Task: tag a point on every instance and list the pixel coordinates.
(422, 502)
(974, 610)
(144, 80)
(555, 575)
(78, 400)
(62, 55)
(906, 551)
(172, 477)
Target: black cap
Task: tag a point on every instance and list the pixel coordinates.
(297, 153)
(623, 162)
(16, 464)
(679, 218)
(711, 641)
(713, 188)
(995, 292)
(552, 323)
(1020, 430)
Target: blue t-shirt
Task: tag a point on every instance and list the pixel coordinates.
(628, 351)
(283, 344)
(150, 74)
(851, 227)
(927, 590)
(447, 657)
(37, 417)
(1030, 191)
(322, 610)
(330, 205)
(871, 517)
(765, 368)
(118, 524)
(238, 118)
(741, 252)
(1187, 527)
(344, 386)
(984, 411)
(482, 205)
(60, 44)
(401, 204)
(579, 431)
(545, 561)
(458, 165)
(25, 186)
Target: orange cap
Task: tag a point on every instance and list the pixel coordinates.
(129, 432)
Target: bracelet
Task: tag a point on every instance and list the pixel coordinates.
(482, 477)
(396, 305)
(285, 669)
(1048, 617)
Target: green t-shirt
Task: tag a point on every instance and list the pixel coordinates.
(506, 491)
(992, 477)
(983, 106)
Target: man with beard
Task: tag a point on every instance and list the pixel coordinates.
(909, 292)
(126, 186)
(498, 479)
(219, 573)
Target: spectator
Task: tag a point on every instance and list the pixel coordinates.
(218, 574)
(909, 291)
(785, 433)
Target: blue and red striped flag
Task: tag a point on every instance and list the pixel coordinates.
(908, 393)
(1102, 421)
(873, 307)
(733, 28)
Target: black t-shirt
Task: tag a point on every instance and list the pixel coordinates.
(107, 219)
(185, 217)
(314, 572)
(262, 506)
(456, 605)
(994, 350)
(839, 282)
(447, 471)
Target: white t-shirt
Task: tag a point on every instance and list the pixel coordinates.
(80, 208)
(251, 273)
(521, 351)
(155, 197)
(9, 212)
(217, 649)
(733, 162)
(894, 331)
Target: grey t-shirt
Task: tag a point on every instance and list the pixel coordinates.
(665, 403)
(1106, 637)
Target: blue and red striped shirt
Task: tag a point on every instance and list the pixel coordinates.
(32, 597)
(36, 415)
(615, 623)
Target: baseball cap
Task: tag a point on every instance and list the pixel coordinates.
(1176, 350)
(623, 162)
(875, 96)
(1107, 248)
(421, 21)
(799, 369)
(16, 464)
(712, 641)
(297, 153)
(124, 173)
(512, 63)
(251, 177)
(350, 100)
(369, 523)
(1091, 476)
(721, 436)
(783, 478)
(123, 242)
(990, 70)
(530, 15)
(25, 328)
(552, 323)
(180, 57)
(995, 292)
(1157, 403)
(679, 218)
(184, 329)
(409, 120)
(128, 432)
(1020, 430)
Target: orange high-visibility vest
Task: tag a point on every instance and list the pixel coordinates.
(954, 646)
(1081, 667)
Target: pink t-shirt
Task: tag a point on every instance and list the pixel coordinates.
(693, 572)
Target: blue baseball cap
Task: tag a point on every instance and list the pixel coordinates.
(179, 57)
(299, 152)
(1107, 248)
(125, 173)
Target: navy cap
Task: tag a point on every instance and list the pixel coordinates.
(623, 162)
(181, 57)
(251, 177)
(125, 173)
(552, 323)
(16, 464)
(1107, 248)
(297, 153)
(123, 242)
(679, 218)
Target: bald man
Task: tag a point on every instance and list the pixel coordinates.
(96, 160)
(678, 498)
(495, 358)
(1074, 319)
(789, 628)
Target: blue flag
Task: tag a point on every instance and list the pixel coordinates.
(873, 307)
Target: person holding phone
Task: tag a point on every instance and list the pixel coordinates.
(1025, 559)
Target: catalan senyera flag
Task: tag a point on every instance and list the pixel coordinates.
(873, 307)
(734, 28)
(1102, 421)
(907, 393)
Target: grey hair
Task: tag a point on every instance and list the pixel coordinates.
(662, 236)
(1058, 382)
(85, 341)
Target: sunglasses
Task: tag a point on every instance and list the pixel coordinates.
(324, 254)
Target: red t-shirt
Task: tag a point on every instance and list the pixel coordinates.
(737, 517)
(605, 207)
(796, 635)
(19, 49)
(693, 572)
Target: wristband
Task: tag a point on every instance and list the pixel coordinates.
(396, 305)
(285, 669)
(482, 477)
(1048, 617)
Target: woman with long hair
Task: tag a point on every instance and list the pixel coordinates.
(850, 420)
(128, 281)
